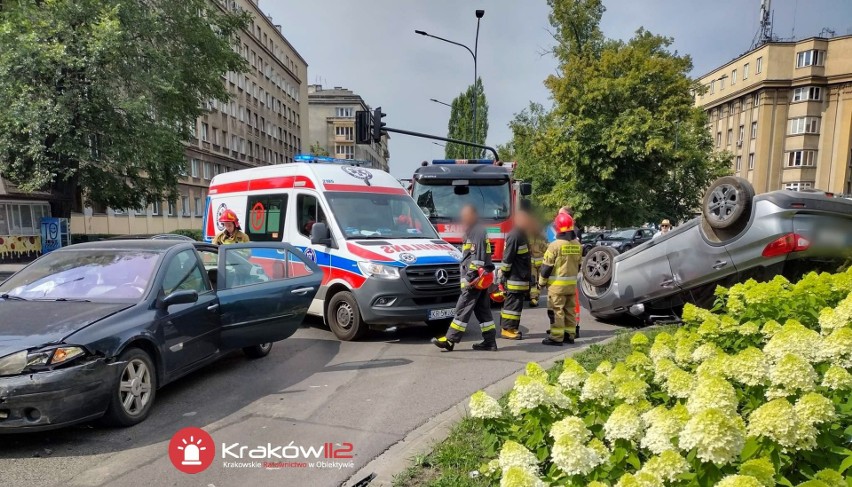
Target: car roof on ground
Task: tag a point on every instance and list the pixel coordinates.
(135, 244)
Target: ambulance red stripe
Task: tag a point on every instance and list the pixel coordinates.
(282, 182)
(355, 188)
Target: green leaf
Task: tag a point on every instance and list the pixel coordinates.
(749, 449)
(633, 460)
(845, 464)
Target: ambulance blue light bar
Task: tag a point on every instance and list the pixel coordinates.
(463, 161)
(311, 158)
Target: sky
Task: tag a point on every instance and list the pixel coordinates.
(369, 46)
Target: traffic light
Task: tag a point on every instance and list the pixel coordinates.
(378, 124)
(363, 127)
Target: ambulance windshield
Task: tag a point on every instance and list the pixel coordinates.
(442, 201)
(379, 216)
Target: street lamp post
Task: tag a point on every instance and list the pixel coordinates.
(473, 52)
(440, 102)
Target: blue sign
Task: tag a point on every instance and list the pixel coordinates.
(51, 234)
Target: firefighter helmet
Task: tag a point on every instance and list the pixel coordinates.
(485, 279)
(563, 223)
(499, 295)
(229, 216)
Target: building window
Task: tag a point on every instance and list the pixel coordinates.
(807, 93)
(755, 100)
(798, 186)
(730, 137)
(745, 71)
(804, 125)
(733, 77)
(199, 208)
(185, 205)
(345, 151)
(204, 129)
(208, 170)
(172, 208)
(739, 163)
(722, 83)
(811, 57)
(719, 139)
(155, 208)
(713, 87)
(751, 161)
(758, 65)
(194, 168)
(754, 130)
(346, 132)
(344, 112)
(801, 158)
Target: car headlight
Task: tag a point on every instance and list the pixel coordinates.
(378, 270)
(24, 360)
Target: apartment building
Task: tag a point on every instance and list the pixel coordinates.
(784, 110)
(264, 122)
(332, 126)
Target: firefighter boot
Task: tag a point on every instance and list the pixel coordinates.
(534, 302)
(550, 341)
(488, 343)
(552, 317)
(443, 344)
(511, 334)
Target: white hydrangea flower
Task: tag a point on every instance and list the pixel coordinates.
(573, 375)
(527, 394)
(830, 320)
(749, 367)
(519, 477)
(597, 388)
(663, 347)
(739, 481)
(483, 406)
(717, 436)
(604, 367)
(793, 372)
(712, 392)
(705, 351)
(536, 371)
(837, 378)
(794, 338)
(570, 426)
(814, 408)
(640, 479)
(513, 454)
(574, 458)
(632, 391)
(662, 368)
(837, 347)
(667, 466)
(775, 420)
(663, 425)
(679, 383)
(557, 399)
(623, 424)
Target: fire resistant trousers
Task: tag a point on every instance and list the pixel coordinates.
(564, 317)
(472, 302)
(510, 315)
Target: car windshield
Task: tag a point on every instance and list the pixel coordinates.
(365, 215)
(84, 275)
(622, 235)
(441, 202)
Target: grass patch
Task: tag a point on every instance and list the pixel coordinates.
(452, 460)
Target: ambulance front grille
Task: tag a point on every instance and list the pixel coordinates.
(424, 278)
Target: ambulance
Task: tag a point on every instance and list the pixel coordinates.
(383, 262)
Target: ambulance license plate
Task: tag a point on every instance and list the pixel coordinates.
(438, 314)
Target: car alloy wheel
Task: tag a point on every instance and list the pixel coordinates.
(597, 265)
(135, 388)
(723, 202)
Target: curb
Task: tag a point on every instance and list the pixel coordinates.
(421, 440)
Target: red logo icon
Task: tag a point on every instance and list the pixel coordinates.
(192, 450)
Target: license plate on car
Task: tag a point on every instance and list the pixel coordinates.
(437, 314)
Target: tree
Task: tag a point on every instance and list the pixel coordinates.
(461, 123)
(623, 143)
(318, 150)
(99, 96)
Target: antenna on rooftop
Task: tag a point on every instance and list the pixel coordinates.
(764, 32)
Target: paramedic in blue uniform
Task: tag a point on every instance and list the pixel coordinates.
(477, 273)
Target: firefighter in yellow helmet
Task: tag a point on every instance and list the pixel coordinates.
(232, 234)
(559, 275)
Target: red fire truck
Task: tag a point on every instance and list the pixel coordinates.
(442, 188)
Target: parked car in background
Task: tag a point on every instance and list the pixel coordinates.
(590, 240)
(93, 330)
(738, 237)
(625, 239)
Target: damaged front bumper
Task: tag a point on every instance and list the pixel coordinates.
(56, 398)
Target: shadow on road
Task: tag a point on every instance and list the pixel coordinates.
(200, 399)
(367, 364)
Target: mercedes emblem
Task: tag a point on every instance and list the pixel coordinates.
(442, 277)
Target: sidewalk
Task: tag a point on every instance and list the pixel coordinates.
(7, 270)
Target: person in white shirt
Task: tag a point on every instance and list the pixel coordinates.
(665, 227)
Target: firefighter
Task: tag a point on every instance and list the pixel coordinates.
(232, 234)
(559, 274)
(515, 272)
(477, 276)
(537, 244)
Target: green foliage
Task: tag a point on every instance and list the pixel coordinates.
(318, 150)
(101, 95)
(189, 232)
(734, 397)
(461, 123)
(623, 143)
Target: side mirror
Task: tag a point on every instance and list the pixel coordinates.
(320, 234)
(526, 189)
(180, 297)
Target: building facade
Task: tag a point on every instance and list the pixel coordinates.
(784, 110)
(264, 122)
(332, 127)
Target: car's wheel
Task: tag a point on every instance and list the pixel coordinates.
(133, 394)
(727, 202)
(439, 327)
(258, 351)
(598, 266)
(626, 248)
(344, 317)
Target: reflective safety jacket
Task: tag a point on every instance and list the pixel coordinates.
(561, 266)
(234, 238)
(516, 265)
(476, 254)
(538, 244)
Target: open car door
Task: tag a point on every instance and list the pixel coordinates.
(264, 292)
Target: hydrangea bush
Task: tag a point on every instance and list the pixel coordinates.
(753, 393)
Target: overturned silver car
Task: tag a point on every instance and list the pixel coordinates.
(738, 236)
